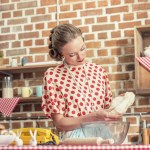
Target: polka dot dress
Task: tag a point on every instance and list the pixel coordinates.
(75, 91)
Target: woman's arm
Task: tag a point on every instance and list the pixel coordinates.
(69, 123)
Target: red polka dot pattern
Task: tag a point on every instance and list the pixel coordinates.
(72, 94)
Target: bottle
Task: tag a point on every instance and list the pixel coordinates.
(7, 89)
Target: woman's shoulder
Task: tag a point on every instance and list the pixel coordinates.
(54, 70)
(95, 66)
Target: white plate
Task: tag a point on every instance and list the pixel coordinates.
(6, 139)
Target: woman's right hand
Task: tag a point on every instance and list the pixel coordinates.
(107, 114)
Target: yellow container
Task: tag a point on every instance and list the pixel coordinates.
(43, 135)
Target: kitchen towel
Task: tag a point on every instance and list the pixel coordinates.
(7, 105)
(145, 61)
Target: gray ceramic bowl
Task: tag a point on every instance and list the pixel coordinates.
(115, 130)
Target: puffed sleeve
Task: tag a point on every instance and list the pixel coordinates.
(52, 99)
(108, 92)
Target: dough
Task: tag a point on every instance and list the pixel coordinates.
(120, 104)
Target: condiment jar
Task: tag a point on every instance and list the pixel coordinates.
(7, 89)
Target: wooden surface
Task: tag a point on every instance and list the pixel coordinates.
(142, 75)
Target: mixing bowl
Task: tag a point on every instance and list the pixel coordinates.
(115, 130)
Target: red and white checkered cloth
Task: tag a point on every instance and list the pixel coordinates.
(145, 61)
(69, 147)
(7, 105)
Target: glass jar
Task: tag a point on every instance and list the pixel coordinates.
(7, 89)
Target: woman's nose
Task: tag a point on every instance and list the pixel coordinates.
(79, 55)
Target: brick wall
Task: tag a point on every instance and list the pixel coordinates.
(108, 27)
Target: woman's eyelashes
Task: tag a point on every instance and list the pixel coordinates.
(74, 54)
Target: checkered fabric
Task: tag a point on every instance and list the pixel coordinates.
(103, 147)
(7, 105)
(145, 61)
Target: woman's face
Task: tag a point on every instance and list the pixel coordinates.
(74, 52)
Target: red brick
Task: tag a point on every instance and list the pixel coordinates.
(41, 18)
(85, 29)
(115, 85)
(51, 25)
(7, 37)
(89, 37)
(119, 76)
(4, 1)
(131, 120)
(28, 35)
(16, 125)
(103, 27)
(16, 44)
(115, 2)
(29, 12)
(142, 109)
(89, 20)
(28, 27)
(6, 15)
(102, 3)
(39, 50)
(126, 59)
(142, 6)
(20, 51)
(17, 21)
(27, 43)
(52, 9)
(144, 101)
(116, 68)
(115, 34)
(128, 85)
(65, 8)
(27, 5)
(7, 7)
(133, 129)
(101, 19)
(39, 58)
(39, 42)
(5, 30)
(129, 16)
(115, 18)
(121, 42)
(129, 1)
(129, 33)
(90, 5)
(40, 11)
(28, 124)
(129, 50)
(46, 33)
(116, 51)
(90, 53)
(105, 61)
(68, 15)
(4, 45)
(93, 44)
(17, 13)
(102, 52)
(47, 2)
(142, 15)
(117, 9)
(78, 6)
(77, 22)
(91, 12)
(102, 35)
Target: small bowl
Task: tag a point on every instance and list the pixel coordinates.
(6, 140)
(115, 130)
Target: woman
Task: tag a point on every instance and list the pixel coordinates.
(75, 91)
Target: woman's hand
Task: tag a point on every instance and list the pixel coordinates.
(107, 114)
